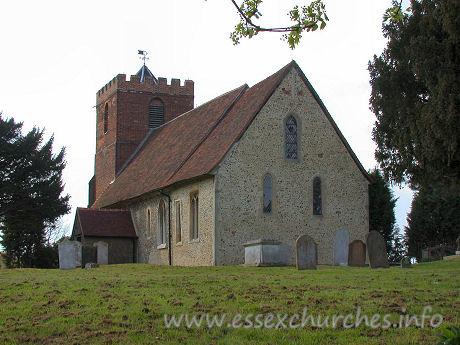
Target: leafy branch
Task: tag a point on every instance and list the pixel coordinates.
(305, 18)
(396, 13)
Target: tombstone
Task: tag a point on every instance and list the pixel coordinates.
(306, 253)
(376, 250)
(266, 253)
(341, 241)
(357, 254)
(102, 252)
(67, 255)
(457, 251)
(77, 245)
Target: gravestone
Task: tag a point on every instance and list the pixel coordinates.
(67, 255)
(102, 252)
(357, 254)
(306, 253)
(376, 250)
(457, 251)
(341, 241)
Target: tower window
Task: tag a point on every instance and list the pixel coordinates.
(106, 118)
(194, 216)
(291, 138)
(317, 203)
(267, 194)
(156, 114)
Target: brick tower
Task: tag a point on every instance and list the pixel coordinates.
(126, 112)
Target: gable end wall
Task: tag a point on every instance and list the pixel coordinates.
(239, 181)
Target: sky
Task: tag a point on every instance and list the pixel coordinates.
(55, 55)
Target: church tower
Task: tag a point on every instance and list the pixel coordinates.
(126, 112)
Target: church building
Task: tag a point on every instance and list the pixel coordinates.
(178, 185)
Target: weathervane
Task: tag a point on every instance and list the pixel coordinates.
(144, 55)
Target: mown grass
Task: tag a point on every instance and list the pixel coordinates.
(125, 304)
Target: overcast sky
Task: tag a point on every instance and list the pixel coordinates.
(55, 55)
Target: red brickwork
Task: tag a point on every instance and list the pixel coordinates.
(128, 109)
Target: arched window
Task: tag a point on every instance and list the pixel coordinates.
(156, 113)
(291, 138)
(267, 194)
(161, 223)
(317, 204)
(178, 222)
(194, 216)
(106, 118)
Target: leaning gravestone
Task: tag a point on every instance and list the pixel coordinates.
(102, 252)
(357, 254)
(341, 240)
(67, 255)
(306, 253)
(376, 250)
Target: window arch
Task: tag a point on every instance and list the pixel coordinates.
(156, 113)
(194, 216)
(106, 118)
(291, 151)
(317, 202)
(162, 223)
(267, 196)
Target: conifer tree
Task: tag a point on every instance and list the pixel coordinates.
(30, 192)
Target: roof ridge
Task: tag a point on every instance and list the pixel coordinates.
(225, 112)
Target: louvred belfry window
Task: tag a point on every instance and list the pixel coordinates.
(156, 114)
(291, 138)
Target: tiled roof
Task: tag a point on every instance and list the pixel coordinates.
(105, 223)
(194, 143)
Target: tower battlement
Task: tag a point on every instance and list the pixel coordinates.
(125, 113)
(121, 83)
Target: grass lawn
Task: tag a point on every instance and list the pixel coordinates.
(125, 304)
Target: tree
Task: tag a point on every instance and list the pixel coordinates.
(30, 192)
(416, 96)
(382, 215)
(434, 219)
(305, 18)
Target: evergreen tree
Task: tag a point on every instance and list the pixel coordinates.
(30, 192)
(416, 95)
(416, 99)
